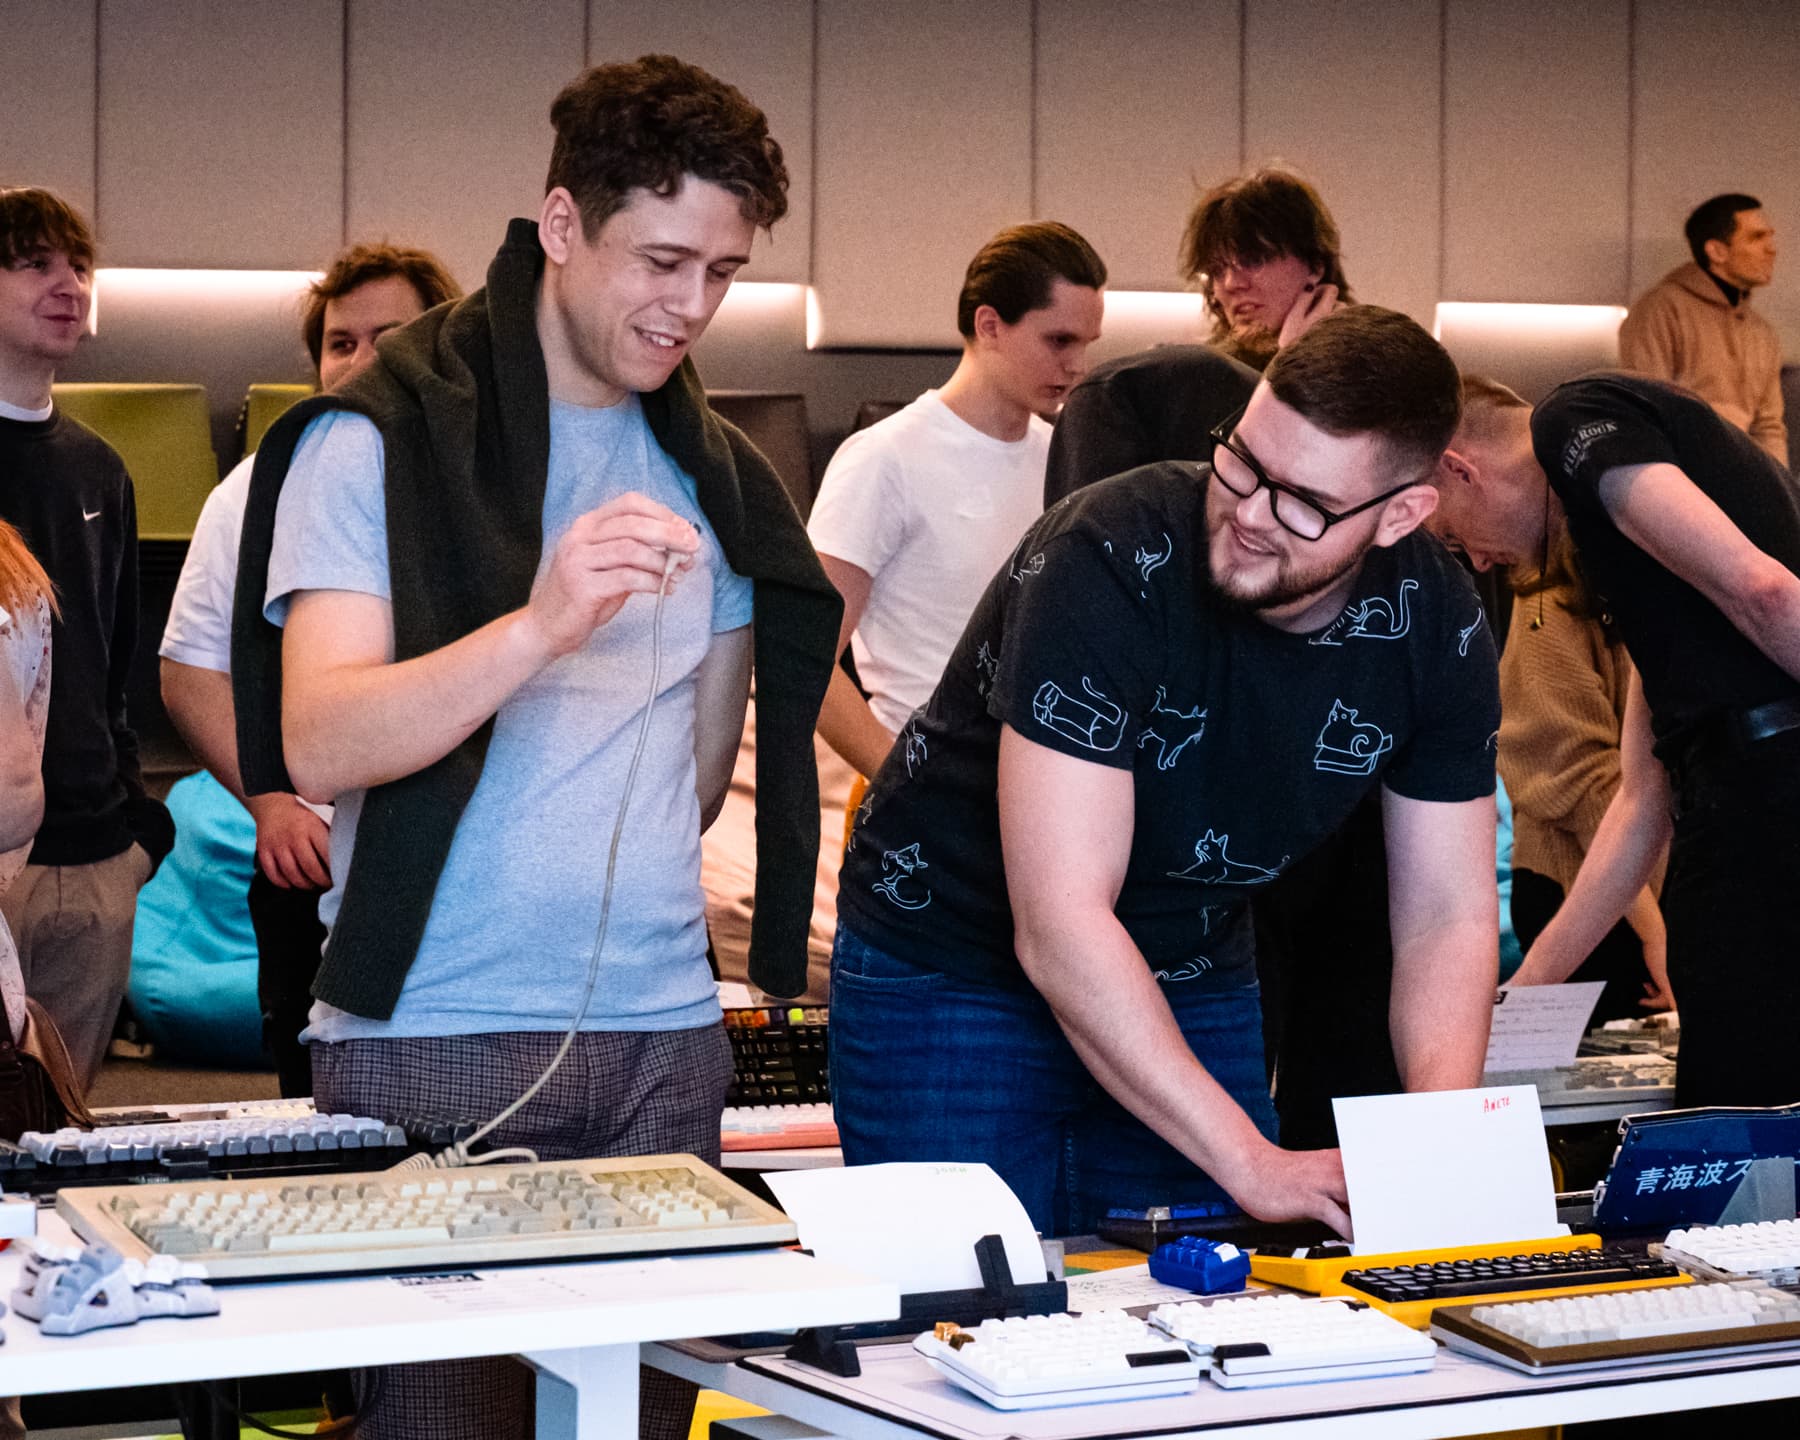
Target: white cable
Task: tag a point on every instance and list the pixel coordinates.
(458, 1155)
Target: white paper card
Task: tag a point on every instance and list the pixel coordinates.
(1451, 1167)
(1539, 1027)
(913, 1224)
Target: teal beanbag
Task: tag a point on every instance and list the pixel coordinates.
(193, 953)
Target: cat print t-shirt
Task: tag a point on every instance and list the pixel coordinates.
(1248, 745)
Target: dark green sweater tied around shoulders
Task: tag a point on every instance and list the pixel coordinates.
(462, 403)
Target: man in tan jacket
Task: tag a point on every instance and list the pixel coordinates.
(1695, 326)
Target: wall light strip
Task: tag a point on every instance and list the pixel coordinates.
(172, 283)
(1522, 319)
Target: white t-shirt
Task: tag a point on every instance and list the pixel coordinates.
(930, 507)
(199, 628)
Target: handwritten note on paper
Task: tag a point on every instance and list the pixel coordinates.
(1451, 1167)
(1539, 1027)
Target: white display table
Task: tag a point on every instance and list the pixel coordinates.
(899, 1397)
(580, 1325)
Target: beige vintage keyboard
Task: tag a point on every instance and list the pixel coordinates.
(397, 1220)
(1590, 1332)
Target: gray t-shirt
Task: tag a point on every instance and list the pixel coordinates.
(512, 925)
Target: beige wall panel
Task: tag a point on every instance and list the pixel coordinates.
(1537, 151)
(1715, 112)
(450, 119)
(47, 137)
(924, 151)
(765, 49)
(221, 132)
(1348, 94)
(1136, 105)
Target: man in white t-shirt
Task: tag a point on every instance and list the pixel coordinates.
(917, 512)
(369, 290)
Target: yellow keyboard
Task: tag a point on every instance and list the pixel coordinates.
(1410, 1285)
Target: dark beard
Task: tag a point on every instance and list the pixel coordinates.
(1289, 586)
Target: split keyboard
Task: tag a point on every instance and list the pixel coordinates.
(1043, 1360)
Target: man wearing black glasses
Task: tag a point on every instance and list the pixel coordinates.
(1183, 680)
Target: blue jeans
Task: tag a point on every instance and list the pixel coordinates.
(926, 1066)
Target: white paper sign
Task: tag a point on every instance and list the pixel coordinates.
(913, 1224)
(1539, 1027)
(1451, 1167)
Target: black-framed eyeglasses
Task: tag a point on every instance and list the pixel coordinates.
(1293, 511)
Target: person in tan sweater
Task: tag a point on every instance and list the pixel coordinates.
(1564, 675)
(1695, 327)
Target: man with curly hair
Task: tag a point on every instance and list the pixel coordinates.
(451, 588)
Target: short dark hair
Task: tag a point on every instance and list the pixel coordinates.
(1484, 399)
(1715, 219)
(1014, 272)
(362, 264)
(1363, 370)
(646, 124)
(1261, 216)
(32, 219)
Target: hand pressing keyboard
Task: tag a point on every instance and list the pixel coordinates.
(1036, 1361)
(1771, 1247)
(1624, 1327)
(1290, 1340)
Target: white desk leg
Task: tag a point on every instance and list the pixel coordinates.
(588, 1394)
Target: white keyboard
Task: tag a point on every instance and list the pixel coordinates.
(1769, 1248)
(1293, 1340)
(269, 1228)
(1623, 1327)
(777, 1127)
(1032, 1362)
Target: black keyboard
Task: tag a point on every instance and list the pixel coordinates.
(279, 1139)
(778, 1056)
(1442, 1280)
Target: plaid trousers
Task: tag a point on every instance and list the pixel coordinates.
(617, 1093)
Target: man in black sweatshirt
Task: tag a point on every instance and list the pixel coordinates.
(71, 911)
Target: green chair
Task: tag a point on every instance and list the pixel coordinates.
(263, 406)
(164, 435)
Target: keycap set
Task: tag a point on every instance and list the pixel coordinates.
(1771, 1247)
(776, 1127)
(1632, 1078)
(479, 1215)
(778, 1056)
(1291, 1339)
(1500, 1274)
(265, 1143)
(1031, 1362)
(1623, 1327)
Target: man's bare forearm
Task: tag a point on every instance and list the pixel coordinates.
(1441, 1006)
(849, 726)
(200, 705)
(354, 724)
(1109, 1005)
